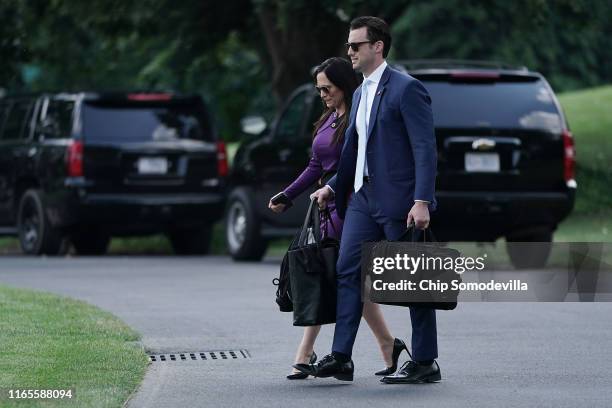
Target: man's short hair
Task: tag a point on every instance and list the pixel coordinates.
(378, 30)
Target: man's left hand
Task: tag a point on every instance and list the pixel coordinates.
(419, 214)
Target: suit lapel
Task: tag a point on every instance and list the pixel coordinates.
(376, 102)
(356, 99)
(352, 128)
(355, 106)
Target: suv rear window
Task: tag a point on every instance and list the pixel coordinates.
(134, 123)
(528, 105)
(16, 123)
(58, 119)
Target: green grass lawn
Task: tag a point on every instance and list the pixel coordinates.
(589, 113)
(585, 228)
(147, 245)
(52, 342)
(8, 245)
(160, 245)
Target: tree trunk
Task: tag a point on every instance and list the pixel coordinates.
(309, 37)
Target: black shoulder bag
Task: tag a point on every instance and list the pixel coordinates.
(312, 272)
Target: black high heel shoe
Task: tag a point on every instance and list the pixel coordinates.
(302, 376)
(398, 347)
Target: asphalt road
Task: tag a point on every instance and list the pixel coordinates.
(491, 354)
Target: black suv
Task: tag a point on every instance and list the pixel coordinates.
(83, 167)
(505, 159)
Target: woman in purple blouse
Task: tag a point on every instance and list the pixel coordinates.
(336, 81)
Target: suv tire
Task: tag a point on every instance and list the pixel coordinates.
(90, 242)
(523, 257)
(36, 234)
(191, 241)
(242, 228)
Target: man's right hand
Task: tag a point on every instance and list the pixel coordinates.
(323, 195)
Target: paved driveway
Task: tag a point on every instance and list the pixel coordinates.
(491, 354)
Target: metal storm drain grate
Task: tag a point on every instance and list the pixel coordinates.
(201, 356)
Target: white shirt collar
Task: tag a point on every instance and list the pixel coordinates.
(377, 74)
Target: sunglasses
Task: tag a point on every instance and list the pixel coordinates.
(324, 89)
(355, 45)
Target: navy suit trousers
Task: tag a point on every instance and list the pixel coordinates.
(364, 221)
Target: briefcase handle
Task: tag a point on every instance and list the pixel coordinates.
(408, 235)
(312, 219)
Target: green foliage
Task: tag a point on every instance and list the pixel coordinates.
(12, 39)
(245, 56)
(566, 40)
(148, 45)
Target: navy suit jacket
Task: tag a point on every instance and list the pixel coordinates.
(401, 148)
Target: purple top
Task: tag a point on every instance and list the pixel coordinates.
(325, 157)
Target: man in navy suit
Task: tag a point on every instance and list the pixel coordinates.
(385, 181)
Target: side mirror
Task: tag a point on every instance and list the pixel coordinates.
(253, 125)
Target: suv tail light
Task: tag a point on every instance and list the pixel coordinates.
(74, 159)
(222, 166)
(569, 156)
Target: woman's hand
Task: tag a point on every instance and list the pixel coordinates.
(278, 208)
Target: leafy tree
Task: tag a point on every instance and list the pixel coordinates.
(564, 39)
(246, 56)
(236, 53)
(12, 38)
(300, 34)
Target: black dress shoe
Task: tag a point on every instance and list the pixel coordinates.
(414, 373)
(329, 366)
(302, 376)
(398, 347)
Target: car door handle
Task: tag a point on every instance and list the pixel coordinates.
(24, 152)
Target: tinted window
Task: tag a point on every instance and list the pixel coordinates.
(58, 119)
(528, 105)
(4, 108)
(289, 125)
(16, 121)
(146, 123)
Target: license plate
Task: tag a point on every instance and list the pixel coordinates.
(152, 165)
(482, 162)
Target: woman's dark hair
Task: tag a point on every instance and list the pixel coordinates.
(340, 73)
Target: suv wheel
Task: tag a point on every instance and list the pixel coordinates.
(242, 231)
(191, 241)
(36, 234)
(90, 242)
(525, 256)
